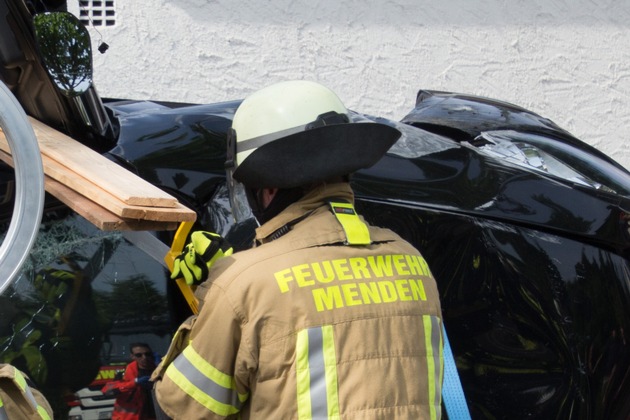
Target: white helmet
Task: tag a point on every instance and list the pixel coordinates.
(293, 134)
(298, 132)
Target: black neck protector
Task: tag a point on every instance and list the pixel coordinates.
(282, 199)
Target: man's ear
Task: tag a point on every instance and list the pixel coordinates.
(267, 196)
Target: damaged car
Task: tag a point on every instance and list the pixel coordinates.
(524, 226)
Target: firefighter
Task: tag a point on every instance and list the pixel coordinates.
(327, 316)
(18, 398)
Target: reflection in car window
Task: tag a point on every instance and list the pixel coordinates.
(81, 299)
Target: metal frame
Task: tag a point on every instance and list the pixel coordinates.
(29, 180)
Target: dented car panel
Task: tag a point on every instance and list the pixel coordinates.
(524, 226)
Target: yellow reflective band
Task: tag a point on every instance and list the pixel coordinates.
(316, 365)
(441, 367)
(330, 362)
(218, 377)
(197, 394)
(19, 379)
(303, 376)
(430, 364)
(356, 231)
(208, 386)
(432, 342)
(42, 413)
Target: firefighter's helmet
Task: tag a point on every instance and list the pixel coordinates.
(297, 133)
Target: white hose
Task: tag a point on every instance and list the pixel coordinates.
(29, 186)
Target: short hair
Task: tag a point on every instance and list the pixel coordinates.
(138, 344)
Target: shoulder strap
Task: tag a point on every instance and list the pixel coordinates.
(356, 230)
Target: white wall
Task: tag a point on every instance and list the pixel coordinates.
(568, 60)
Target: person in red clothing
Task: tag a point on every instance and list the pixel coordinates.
(133, 392)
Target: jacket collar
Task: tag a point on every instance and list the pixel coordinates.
(312, 201)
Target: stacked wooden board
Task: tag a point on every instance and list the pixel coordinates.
(106, 194)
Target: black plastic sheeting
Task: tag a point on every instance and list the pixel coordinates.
(532, 269)
(531, 260)
(536, 321)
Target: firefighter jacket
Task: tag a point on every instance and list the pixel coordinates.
(133, 400)
(18, 400)
(327, 318)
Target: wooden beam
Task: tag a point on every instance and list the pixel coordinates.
(101, 180)
(86, 188)
(111, 177)
(91, 211)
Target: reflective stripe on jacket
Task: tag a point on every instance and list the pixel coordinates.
(308, 326)
(18, 400)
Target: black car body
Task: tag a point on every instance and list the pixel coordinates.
(524, 226)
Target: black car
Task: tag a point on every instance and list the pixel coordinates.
(524, 226)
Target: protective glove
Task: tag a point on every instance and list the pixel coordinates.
(198, 256)
(53, 284)
(142, 379)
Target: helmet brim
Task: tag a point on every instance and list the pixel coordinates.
(316, 155)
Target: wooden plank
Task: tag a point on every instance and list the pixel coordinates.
(95, 214)
(100, 216)
(111, 177)
(85, 187)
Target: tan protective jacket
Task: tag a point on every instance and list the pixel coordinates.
(18, 400)
(306, 326)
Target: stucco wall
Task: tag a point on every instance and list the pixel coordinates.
(566, 60)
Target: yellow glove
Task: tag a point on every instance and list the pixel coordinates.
(198, 256)
(53, 284)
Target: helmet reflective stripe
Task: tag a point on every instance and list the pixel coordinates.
(282, 106)
(298, 133)
(242, 147)
(327, 118)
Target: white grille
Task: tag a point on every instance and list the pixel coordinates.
(97, 12)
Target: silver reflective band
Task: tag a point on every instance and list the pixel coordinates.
(436, 343)
(316, 374)
(319, 406)
(3, 412)
(30, 397)
(327, 118)
(217, 392)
